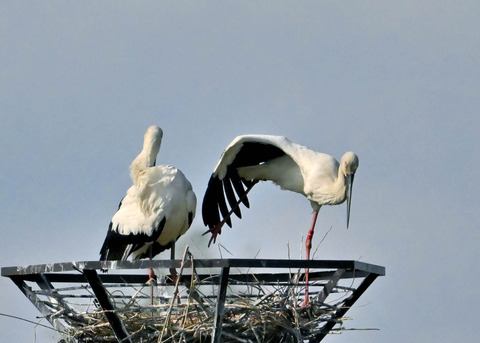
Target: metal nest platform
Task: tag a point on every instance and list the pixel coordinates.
(216, 300)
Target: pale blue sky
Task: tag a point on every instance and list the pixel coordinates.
(396, 82)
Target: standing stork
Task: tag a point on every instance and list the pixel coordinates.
(252, 158)
(158, 208)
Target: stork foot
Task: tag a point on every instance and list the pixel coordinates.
(151, 275)
(215, 231)
(306, 301)
(174, 275)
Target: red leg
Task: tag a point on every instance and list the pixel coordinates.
(152, 278)
(215, 231)
(173, 271)
(308, 246)
(152, 281)
(151, 275)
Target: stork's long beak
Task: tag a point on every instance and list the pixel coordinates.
(349, 184)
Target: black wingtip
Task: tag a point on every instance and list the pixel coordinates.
(210, 214)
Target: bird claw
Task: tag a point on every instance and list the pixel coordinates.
(174, 275)
(306, 302)
(152, 278)
(215, 231)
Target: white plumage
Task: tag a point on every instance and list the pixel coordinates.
(252, 158)
(158, 208)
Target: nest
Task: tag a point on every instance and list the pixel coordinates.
(275, 317)
(185, 312)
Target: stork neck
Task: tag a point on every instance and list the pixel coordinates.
(143, 161)
(338, 194)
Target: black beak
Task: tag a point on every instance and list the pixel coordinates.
(349, 184)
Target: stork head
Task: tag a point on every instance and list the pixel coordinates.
(151, 144)
(348, 166)
(148, 155)
(153, 137)
(349, 163)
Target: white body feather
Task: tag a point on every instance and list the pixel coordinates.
(164, 192)
(161, 202)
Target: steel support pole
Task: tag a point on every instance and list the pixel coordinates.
(222, 293)
(346, 306)
(327, 289)
(101, 294)
(40, 305)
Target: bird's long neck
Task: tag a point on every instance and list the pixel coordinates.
(144, 160)
(339, 186)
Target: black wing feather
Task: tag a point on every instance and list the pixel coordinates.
(209, 206)
(227, 185)
(115, 244)
(222, 204)
(239, 189)
(219, 192)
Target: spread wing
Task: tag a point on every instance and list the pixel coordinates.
(228, 186)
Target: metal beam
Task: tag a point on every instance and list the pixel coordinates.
(58, 301)
(264, 278)
(323, 294)
(40, 305)
(115, 322)
(222, 293)
(346, 306)
(211, 263)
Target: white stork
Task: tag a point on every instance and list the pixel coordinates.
(158, 208)
(252, 158)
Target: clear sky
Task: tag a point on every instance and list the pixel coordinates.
(397, 82)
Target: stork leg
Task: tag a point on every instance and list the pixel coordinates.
(151, 273)
(308, 246)
(152, 278)
(173, 271)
